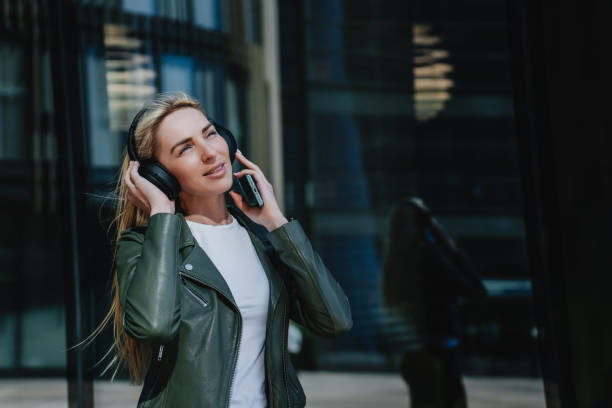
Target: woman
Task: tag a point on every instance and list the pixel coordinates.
(200, 307)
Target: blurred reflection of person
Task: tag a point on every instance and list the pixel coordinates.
(425, 274)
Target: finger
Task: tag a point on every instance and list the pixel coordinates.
(250, 165)
(134, 172)
(246, 161)
(138, 202)
(237, 200)
(253, 173)
(137, 179)
(129, 182)
(137, 197)
(258, 177)
(130, 198)
(141, 200)
(142, 184)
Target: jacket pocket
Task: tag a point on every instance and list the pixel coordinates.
(199, 306)
(194, 291)
(197, 297)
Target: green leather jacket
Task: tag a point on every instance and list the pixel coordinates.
(174, 298)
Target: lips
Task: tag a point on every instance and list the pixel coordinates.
(214, 169)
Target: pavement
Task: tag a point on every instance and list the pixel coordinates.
(323, 389)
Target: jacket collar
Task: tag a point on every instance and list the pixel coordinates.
(205, 271)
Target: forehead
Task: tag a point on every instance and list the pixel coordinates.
(180, 124)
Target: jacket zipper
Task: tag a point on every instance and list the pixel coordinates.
(229, 391)
(198, 298)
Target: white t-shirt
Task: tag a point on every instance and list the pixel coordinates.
(230, 248)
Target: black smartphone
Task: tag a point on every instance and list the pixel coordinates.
(246, 187)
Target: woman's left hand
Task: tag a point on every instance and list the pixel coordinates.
(270, 215)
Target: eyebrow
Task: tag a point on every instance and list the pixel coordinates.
(188, 138)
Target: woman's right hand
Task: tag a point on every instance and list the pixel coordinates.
(144, 194)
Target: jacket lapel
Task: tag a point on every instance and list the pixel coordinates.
(205, 271)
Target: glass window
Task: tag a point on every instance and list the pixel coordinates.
(205, 89)
(404, 106)
(104, 143)
(207, 14)
(12, 103)
(234, 118)
(32, 308)
(177, 73)
(252, 21)
(147, 7)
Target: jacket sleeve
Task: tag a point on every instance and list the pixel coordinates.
(318, 302)
(149, 291)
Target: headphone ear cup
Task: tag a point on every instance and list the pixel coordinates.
(229, 138)
(160, 177)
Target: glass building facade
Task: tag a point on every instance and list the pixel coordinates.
(410, 100)
(350, 108)
(73, 76)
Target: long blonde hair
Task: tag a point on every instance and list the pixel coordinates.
(128, 350)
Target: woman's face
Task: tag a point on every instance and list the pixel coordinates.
(189, 146)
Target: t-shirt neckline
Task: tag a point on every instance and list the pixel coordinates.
(213, 227)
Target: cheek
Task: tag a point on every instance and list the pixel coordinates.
(222, 146)
(187, 169)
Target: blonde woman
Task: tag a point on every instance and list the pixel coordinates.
(200, 303)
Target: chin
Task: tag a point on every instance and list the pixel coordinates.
(225, 183)
(229, 181)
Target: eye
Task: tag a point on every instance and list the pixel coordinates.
(211, 134)
(184, 148)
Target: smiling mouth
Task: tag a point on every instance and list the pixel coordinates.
(214, 170)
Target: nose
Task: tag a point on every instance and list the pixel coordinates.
(207, 152)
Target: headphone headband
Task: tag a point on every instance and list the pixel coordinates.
(131, 144)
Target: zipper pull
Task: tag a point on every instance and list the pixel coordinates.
(161, 352)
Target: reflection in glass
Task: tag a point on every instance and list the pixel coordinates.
(234, 118)
(12, 94)
(425, 277)
(32, 310)
(177, 73)
(206, 14)
(119, 78)
(410, 99)
(431, 86)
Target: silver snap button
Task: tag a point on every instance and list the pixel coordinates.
(188, 267)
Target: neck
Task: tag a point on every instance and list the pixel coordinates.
(211, 211)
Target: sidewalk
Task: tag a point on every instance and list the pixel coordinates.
(323, 390)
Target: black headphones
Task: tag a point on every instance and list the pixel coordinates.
(155, 172)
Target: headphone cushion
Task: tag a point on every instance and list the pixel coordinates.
(229, 138)
(160, 177)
